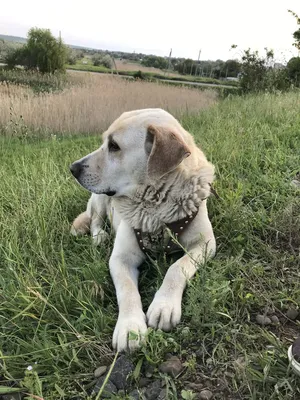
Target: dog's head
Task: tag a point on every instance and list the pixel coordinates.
(139, 147)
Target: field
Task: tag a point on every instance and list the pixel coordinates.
(58, 306)
(89, 105)
(131, 68)
(124, 65)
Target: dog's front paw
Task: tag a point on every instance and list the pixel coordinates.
(164, 311)
(99, 238)
(129, 331)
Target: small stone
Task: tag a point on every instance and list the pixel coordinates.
(206, 395)
(100, 371)
(295, 183)
(109, 388)
(268, 310)
(162, 394)
(144, 382)
(152, 391)
(296, 349)
(195, 387)
(149, 371)
(171, 367)
(199, 354)
(123, 367)
(135, 395)
(263, 320)
(292, 313)
(12, 396)
(275, 320)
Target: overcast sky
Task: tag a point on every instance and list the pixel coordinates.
(156, 26)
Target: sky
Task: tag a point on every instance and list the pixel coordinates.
(156, 26)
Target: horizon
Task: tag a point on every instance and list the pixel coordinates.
(228, 25)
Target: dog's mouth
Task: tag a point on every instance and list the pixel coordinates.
(106, 192)
(110, 193)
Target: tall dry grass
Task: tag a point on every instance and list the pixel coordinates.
(90, 105)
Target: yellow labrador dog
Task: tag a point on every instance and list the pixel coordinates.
(152, 181)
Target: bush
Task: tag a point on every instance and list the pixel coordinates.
(14, 57)
(107, 61)
(104, 60)
(72, 58)
(258, 74)
(139, 75)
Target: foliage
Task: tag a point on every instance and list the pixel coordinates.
(42, 52)
(155, 61)
(296, 34)
(213, 69)
(259, 74)
(6, 48)
(139, 75)
(73, 57)
(104, 60)
(293, 70)
(232, 67)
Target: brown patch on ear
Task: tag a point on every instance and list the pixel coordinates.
(168, 150)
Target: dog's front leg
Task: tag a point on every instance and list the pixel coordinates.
(124, 262)
(165, 310)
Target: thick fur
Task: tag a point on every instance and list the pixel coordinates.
(156, 175)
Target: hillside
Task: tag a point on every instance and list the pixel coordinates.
(17, 39)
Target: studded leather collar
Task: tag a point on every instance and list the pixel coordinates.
(150, 243)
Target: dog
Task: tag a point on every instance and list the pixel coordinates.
(152, 182)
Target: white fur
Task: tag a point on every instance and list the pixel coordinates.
(139, 203)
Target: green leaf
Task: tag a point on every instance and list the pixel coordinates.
(137, 370)
(6, 389)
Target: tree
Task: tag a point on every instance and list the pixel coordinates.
(155, 61)
(42, 52)
(293, 70)
(296, 34)
(232, 68)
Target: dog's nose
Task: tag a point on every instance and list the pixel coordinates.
(76, 169)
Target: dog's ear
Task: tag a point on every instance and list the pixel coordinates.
(166, 149)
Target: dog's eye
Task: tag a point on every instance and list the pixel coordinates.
(113, 146)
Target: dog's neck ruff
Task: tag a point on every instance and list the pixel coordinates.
(170, 200)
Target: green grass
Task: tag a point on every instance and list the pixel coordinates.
(58, 306)
(89, 68)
